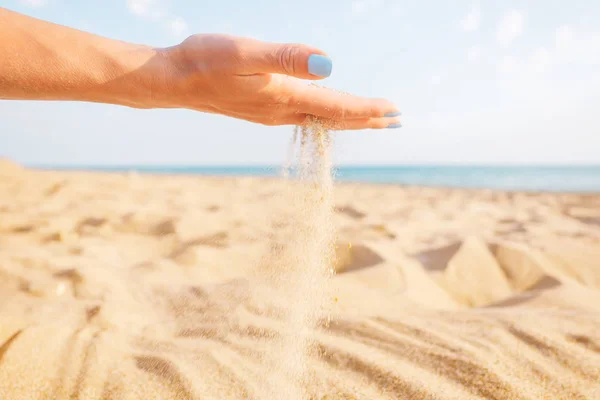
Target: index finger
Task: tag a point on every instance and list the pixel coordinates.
(334, 105)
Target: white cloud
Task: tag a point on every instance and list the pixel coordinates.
(156, 11)
(436, 79)
(509, 64)
(473, 54)
(177, 27)
(510, 27)
(139, 7)
(35, 3)
(573, 44)
(577, 44)
(472, 20)
(360, 7)
(539, 60)
(563, 36)
(146, 8)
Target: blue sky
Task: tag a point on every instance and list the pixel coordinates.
(477, 82)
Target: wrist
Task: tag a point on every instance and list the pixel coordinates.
(135, 76)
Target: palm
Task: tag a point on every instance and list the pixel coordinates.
(257, 81)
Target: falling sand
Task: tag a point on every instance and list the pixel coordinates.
(304, 265)
(134, 286)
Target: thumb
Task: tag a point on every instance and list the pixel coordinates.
(295, 60)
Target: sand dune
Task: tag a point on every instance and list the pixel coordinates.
(127, 286)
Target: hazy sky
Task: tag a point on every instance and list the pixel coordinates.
(477, 82)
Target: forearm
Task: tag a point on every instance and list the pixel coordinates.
(44, 61)
(222, 74)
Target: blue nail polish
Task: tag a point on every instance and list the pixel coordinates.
(394, 126)
(393, 114)
(319, 65)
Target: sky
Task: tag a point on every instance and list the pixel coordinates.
(478, 82)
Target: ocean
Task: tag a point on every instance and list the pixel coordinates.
(581, 179)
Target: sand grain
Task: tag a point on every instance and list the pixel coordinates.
(472, 295)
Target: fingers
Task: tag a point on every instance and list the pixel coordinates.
(351, 124)
(288, 103)
(302, 119)
(332, 105)
(365, 123)
(295, 60)
(305, 62)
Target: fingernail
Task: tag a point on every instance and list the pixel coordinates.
(319, 65)
(394, 126)
(393, 114)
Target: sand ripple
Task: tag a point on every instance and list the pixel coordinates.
(139, 287)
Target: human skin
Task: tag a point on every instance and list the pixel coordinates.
(234, 76)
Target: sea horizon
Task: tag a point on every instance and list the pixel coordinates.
(510, 177)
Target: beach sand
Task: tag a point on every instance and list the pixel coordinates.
(130, 286)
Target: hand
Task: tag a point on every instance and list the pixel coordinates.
(256, 81)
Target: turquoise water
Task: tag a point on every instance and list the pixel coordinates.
(525, 178)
